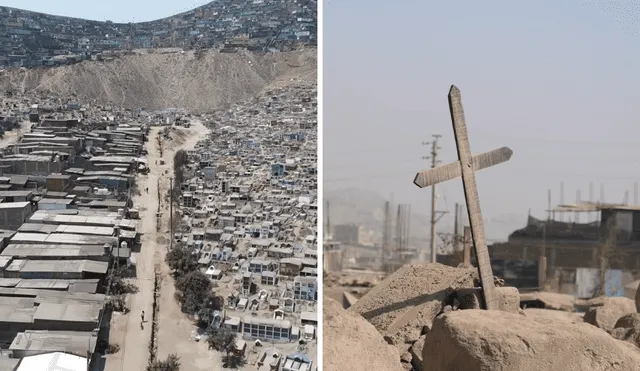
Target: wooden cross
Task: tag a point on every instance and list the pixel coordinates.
(465, 167)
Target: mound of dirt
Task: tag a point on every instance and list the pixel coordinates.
(176, 80)
(476, 340)
(351, 343)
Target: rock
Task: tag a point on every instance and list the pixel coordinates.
(416, 353)
(407, 366)
(478, 340)
(607, 314)
(409, 299)
(631, 320)
(628, 328)
(406, 357)
(508, 298)
(351, 343)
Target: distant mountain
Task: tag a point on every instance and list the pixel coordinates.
(31, 39)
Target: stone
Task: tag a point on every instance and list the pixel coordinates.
(406, 357)
(408, 300)
(627, 328)
(480, 340)
(608, 312)
(631, 320)
(416, 353)
(351, 343)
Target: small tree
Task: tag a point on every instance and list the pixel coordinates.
(233, 360)
(209, 305)
(181, 260)
(172, 363)
(221, 339)
(119, 285)
(194, 290)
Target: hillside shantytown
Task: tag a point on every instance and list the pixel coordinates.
(30, 39)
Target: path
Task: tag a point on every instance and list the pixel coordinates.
(176, 328)
(125, 328)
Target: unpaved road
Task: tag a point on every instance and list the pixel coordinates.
(126, 329)
(175, 328)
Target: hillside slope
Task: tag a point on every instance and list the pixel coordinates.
(159, 81)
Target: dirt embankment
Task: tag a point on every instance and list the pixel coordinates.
(159, 81)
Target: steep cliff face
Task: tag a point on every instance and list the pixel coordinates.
(177, 80)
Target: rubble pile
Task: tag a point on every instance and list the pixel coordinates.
(431, 315)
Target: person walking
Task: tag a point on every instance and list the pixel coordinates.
(142, 316)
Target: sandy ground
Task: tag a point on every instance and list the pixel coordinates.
(158, 81)
(126, 329)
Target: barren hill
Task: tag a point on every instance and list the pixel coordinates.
(177, 80)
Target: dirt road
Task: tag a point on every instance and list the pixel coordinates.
(126, 330)
(175, 329)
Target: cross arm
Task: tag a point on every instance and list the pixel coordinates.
(440, 174)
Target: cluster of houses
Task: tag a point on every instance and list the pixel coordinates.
(249, 212)
(65, 217)
(30, 39)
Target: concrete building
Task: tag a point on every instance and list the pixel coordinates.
(13, 214)
(266, 328)
(305, 288)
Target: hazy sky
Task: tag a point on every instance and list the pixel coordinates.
(557, 81)
(113, 10)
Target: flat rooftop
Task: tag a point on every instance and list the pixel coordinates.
(52, 250)
(73, 286)
(57, 266)
(62, 238)
(74, 342)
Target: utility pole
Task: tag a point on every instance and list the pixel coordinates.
(435, 215)
(327, 232)
(385, 238)
(456, 229)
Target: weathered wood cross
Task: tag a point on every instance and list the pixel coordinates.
(466, 167)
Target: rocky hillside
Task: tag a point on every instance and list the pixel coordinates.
(157, 81)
